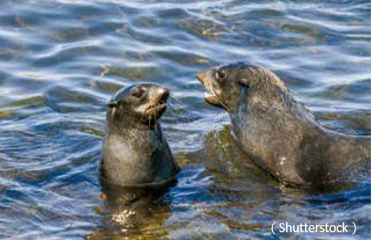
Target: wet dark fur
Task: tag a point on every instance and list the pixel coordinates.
(279, 133)
(135, 151)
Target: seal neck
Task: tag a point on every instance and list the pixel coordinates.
(123, 129)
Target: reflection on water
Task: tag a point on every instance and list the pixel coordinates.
(61, 60)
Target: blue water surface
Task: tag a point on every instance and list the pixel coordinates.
(62, 60)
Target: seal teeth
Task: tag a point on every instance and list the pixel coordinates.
(209, 94)
(153, 107)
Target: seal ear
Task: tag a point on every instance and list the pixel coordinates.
(244, 82)
(112, 104)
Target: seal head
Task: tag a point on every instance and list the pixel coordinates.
(135, 151)
(138, 104)
(229, 85)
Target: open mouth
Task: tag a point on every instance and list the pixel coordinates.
(158, 105)
(210, 96)
(157, 109)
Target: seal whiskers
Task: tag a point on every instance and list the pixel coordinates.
(178, 113)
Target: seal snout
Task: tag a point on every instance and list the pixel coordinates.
(163, 95)
(157, 104)
(203, 76)
(207, 78)
(160, 96)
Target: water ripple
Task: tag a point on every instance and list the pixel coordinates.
(62, 60)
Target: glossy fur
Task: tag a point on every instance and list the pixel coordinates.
(135, 151)
(279, 133)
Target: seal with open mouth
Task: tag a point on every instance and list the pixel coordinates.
(135, 151)
(279, 133)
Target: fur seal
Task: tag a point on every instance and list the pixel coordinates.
(279, 133)
(135, 151)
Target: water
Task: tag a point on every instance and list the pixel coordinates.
(62, 60)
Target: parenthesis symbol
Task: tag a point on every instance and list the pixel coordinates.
(355, 228)
(272, 227)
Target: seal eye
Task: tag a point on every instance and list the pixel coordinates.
(112, 104)
(137, 92)
(244, 82)
(220, 74)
